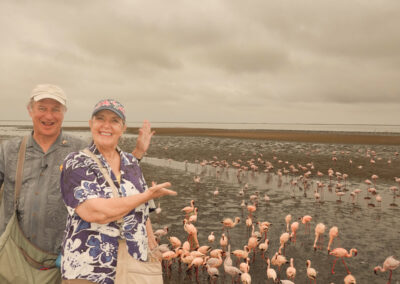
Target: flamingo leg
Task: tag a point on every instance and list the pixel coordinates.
(348, 272)
(333, 266)
(390, 277)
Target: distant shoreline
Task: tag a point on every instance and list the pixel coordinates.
(335, 137)
(282, 135)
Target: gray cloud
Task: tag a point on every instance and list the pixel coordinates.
(225, 61)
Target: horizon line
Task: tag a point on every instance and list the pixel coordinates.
(214, 122)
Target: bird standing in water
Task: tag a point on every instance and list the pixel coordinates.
(333, 233)
(390, 264)
(341, 253)
(311, 272)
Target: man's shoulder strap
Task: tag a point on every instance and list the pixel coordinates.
(20, 168)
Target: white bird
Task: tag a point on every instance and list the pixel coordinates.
(211, 237)
(271, 273)
(311, 272)
(350, 279)
(390, 264)
(158, 209)
(291, 271)
(245, 278)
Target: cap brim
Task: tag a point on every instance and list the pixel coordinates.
(49, 96)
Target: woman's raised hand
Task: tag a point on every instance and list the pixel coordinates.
(159, 190)
(143, 140)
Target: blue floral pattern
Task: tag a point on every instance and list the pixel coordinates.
(89, 249)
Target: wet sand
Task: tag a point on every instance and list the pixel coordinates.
(284, 135)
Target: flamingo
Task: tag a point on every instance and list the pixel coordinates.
(232, 271)
(319, 232)
(204, 249)
(175, 242)
(228, 223)
(158, 209)
(193, 218)
(196, 262)
(271, 273)
(311, 272)
(264, 227)
(215, 261)
(251, 209)
(283, 239)
(288, 218)
(186, 246)
(213, 272)
(333, 233)
(241, 253)
(390, 264)
(223, 242)
(211, 237)
(192, 234)
(188, 209)
(294, 227)
(264, 246)
(306, 221)
(341, 253)
(244, 266)
(291, 271)
(216, 252)
(245, 278)
(278, 260)
(350, 279)
(252, 243)
(160, 232)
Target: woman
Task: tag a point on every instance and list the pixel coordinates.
(98, 221)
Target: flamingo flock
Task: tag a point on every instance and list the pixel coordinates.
(225, 258)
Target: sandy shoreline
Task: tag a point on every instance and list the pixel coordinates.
(279, 135)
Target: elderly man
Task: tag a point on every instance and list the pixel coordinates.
(41, 211)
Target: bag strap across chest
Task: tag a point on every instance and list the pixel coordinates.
(104, 171)
(19, 172)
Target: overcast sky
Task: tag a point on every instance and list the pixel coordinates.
(207, 61)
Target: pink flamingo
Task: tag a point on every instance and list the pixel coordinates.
(390, 264)
(223, 242)
(341, 253)
(229, 223)
(283, 239)
(288, 218)
(350, 279)
(319, 232)
(188, 209)
(294, 227)
(311, 272)
(306, 221)
(252, 243)
(333, 233)
(291, 271)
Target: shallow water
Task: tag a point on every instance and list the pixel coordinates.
(370, 227)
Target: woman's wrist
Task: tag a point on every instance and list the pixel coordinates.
(138, 154)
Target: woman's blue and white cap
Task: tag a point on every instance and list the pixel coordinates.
(112, 105)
